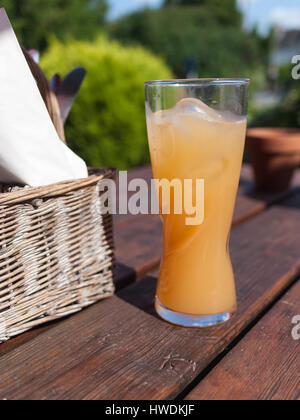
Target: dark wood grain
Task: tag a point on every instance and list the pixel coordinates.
(139, 238)
(140, 245)
(118, 350)
(249, 203)
(265, 365)
(145, 173)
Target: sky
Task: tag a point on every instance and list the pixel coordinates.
(262, 13)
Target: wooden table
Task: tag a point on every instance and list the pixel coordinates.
(119, 349)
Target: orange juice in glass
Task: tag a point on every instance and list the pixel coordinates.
(196, 131)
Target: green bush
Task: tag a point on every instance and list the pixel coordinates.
(107, 123)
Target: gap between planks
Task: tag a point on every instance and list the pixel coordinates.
(190, 392)
(134, 262)
(140, 356)
(263, 365)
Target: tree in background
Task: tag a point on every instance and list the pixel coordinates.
(207, 33)
(35, 20)
(225, 11)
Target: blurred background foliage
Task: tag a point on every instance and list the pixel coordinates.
(182, 38)
(107, 124)
(286, 113)
(205, 37)
(35, 20)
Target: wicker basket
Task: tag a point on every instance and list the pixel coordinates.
(56, 250)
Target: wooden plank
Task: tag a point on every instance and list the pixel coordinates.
(140, 245)
(125, 275)
(145, 173)
(116, 350)
(249, 203)
(138, 251)
(19, 340)
(132, 265)
(265, 365)
(139, 239)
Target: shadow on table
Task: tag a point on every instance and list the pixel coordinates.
(292, 200)
(141, 294)
(247, 188)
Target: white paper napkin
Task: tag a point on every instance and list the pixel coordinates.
(31, 152)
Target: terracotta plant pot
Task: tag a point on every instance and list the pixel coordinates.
(275, 155)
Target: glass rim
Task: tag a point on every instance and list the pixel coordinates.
(199, 82)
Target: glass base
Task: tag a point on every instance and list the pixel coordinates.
(196, 321)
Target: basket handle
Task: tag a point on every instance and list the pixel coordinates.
(48, 95)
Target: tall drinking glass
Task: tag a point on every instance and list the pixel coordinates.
(196, 131)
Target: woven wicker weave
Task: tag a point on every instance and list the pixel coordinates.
(56, 252)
